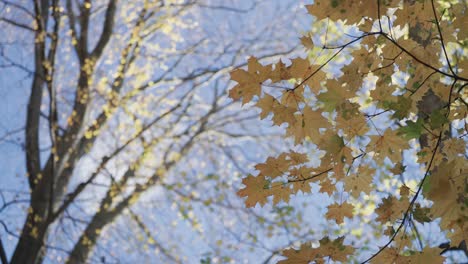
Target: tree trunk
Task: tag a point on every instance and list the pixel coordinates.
(30, 248)
(85, 245)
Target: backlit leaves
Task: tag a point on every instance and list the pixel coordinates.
(391, 209)
(256, 190)
(338, 212)
(307, 124)
(250, 81)
(388, 145)
(396, 88)
(332, 249)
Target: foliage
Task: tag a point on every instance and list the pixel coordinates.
(383, 88)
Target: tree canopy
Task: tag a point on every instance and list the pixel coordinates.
(377, 113)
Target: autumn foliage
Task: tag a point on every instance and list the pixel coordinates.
(384, 85)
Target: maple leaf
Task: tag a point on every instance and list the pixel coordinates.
(447, 187)
(404, 190)
(257, 189)
(350, 82)
(267, 103)
(422, 214)
(388, 145)
(351, 10)
(281, 72)
(412, 129)
(307, 42)
(429, 104)
(283, 114)
(298, 158)
(326, 186)
(337, 153)
(334, 96)
(282, 192)
(428, 255)
(453, 148)
(307, 124)
(392, 255)
(293, 97)
(360, 181)
(306, 73)
(388, 255)
(366, 60)
(250, 81)
(414, 12)
(301, 173)
(302, 186)
(304, 255)
(338, 212)
(354, 126)
(274, 167)
(391, 209)
(401, 107)
(383, 94)
(334, 249)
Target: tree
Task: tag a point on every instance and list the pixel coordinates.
(119, 104)
(378, 114)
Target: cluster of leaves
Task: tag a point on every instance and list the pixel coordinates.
(402, 88)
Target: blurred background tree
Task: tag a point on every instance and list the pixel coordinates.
(117, 140)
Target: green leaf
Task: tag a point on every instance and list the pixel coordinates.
(427, 185)
(411, 130)
(438, 118)
(330, 100)
(401, 107)
(421, 214)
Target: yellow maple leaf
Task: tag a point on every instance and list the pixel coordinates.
(303, 186)
(388, 255)
(337, 153)
(428, 255)
(354, 126)
(333, 249)
(283, 114)
(414, 12)
(338, 212)
(280, 73)
(351, 10)
(388, 145)
(298, 158)
(391, 209)
(274, 167)
(282, 192)
(326, 186)
(267, 103)
(336, 95)
(308, 74)
(256, 190)
(392, 255)
(453, 148)
(360, 181)
(293, 97)
(307, 124)
(447, 189)
(304, 255)
(250, 81)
